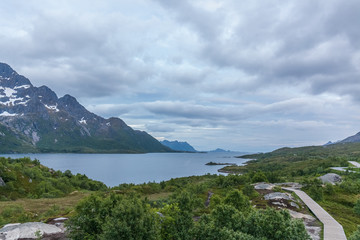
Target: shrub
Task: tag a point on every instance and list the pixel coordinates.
(357, 207)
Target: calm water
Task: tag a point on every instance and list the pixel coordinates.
(113, 169)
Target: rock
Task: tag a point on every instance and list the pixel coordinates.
(29, 231)
(280, 204)
(277, 196)
(310, 225)
(330, 178)
(60, 219)
(290, 184)
(59, 222)
(2, 183)
(11, 224)
(314, 232)
(264, 186)
(294, 205)
(305, 217)
(207, 202)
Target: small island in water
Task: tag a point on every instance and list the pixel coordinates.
(215, 163)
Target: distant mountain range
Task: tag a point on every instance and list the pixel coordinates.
(178, 146)
(34, 119)
(220, 150)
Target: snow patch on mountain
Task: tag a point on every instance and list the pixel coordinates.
(6, 114)
(52, 107)
(22, 86)
(15, 101)
(82, 121)
(9, 92)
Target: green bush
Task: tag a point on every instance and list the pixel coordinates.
(357, 207)
(316, 193)
(356, 234)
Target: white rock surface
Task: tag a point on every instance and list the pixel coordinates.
(27, 230)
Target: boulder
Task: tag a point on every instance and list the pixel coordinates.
(30, 230)
(2, 183)
(331, 178)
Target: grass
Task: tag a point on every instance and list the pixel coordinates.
(43, 208)
(158, 196)
(340, 207)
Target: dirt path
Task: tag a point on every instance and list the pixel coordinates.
(332, 229)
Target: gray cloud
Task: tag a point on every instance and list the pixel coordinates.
(240, 74)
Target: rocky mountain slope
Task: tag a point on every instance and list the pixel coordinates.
(34, 119)
(352, 139)
(179, 146)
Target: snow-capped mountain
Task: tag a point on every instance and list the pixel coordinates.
(34, 119)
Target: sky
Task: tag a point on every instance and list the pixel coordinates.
(247, 75)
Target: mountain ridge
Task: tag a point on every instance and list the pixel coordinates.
(34, 119)
(351, 139)
(178, 146)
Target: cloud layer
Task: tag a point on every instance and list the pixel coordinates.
(244, 75)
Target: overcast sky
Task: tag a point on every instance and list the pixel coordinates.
(245, 75)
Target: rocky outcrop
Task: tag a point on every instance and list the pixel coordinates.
(312, 227)
(331, 178)
(31, 230)
(278, 196)
(207, 202)
(264, 186)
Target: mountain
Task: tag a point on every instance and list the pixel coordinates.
(178, 146)
(34, 119)
(352, 139)
(219, 150)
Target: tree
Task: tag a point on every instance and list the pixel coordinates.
(131, 219)
(114, 217)
(249, 191)
(259, 177)
(238, 200)
(274, 224)
(176, 224)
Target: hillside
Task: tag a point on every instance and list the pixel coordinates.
(306, 165)
(34, 119)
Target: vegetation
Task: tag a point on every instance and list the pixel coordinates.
(171, 209)
(129, 216)
(34, 210)
(175, 209)
(215, 163)
(305, 165)
(26, 178)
